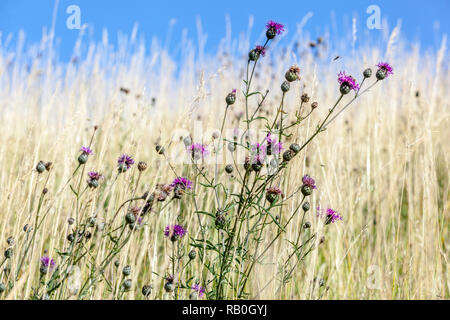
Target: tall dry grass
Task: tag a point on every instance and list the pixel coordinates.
(384, 164)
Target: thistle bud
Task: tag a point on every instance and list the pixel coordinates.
(8, 253)
(127, 284)
(306, 190)
(257, 167)
(48, 166)
(93, 183)
(307, 225)
(117, 263)
(10, 241)
(192, 254)
(381, 74)
(71, 221)
(126, 270)
(231, 97)
(292, 74)
(169, 287)
(146, 290)
(314, 105)
(367, 73)
(70, 237)
(83, 158)
(288, 155)
(306, 206)
(294, 148)
(285, 86)
(344, 88)
(305, 98)
(253, 55)
(40, 167)
(130, 218)
(220, 220)
(229, 169)
(142, 166)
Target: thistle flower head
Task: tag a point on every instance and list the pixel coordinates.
(349, 81)
(125, 160)
(48, 263)
(86, 150)
(258, 152)
(330, 215)
(197, 150)
(182, 183)
(274, 190)
(95, 175)
(308, 181)
(261, 50)
(199, 289)
(174, 232)
(273, 146)
(275, 26)
(386, 68)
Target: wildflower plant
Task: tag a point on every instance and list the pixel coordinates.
(224, 244)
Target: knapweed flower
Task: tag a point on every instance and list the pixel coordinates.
(47, 264)
(273, 28)
(273, 146)
(174, 232)
(182, 183)
(198, 289)
(258, 155)
(197, 151)
(94, 178)
(125, 162)
(273, 193)
(86, 150)
(347, 83)
(164, 191)
(330, 215)
(83, 157)
(255, 53)
(261, 50)
(293, 73)
(308, 185)
(307, 180)
(231, 97)
(384, 70)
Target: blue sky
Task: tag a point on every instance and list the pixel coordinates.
(425, 21)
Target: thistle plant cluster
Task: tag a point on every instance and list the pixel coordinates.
(217, 255)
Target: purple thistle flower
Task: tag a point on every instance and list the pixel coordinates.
(277, 27)
(174, 232)
(197, 151)
(47, 263)
(181, 182)
(95, 175)
(86, 150)
(198, 288)
(258, 153)
(125, 160)
(308, 181)
(273, 145)
(386, 67)
(330, 215)
(347, 80)
(261, 50)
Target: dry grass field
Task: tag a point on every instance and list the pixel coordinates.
(383, 164)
